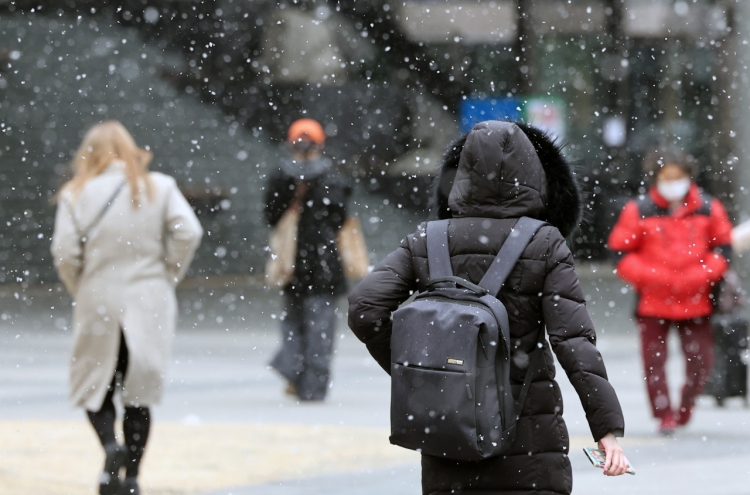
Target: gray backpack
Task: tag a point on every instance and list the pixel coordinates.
(450, 358)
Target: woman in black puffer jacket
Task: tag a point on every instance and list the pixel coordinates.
(497, 173)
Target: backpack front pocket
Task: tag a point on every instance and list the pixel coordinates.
(434, 412)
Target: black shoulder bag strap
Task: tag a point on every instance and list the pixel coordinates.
(438, 258)
(438, 254)
(100, 215)
(506, 259)
(495, 278)
(534, 364)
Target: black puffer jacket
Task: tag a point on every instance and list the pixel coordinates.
(494, 176)
(318, 269)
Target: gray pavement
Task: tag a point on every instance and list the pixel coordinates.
(228, 334)
(404, 480)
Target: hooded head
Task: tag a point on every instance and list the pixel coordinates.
(508, 170)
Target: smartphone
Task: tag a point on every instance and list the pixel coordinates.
(598, 458)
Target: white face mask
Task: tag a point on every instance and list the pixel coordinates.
(673, 190)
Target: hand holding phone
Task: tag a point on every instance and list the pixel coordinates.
(598, 458)
(615, 462)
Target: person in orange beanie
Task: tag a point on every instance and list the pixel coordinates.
(307, 181)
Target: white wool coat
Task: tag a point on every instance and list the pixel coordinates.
(123, 279)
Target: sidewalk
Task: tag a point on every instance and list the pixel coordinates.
(225, 426)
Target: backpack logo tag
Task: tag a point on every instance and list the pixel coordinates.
(459, 362)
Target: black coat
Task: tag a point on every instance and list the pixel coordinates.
(318, 269)
(489, 179)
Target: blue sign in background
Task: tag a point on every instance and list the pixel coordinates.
(474, 110)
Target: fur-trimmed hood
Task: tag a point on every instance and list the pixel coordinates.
(508, 170)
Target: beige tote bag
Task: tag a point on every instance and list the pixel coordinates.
(353, 250)
(283, 244)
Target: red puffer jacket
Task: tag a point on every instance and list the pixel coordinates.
(671, 257)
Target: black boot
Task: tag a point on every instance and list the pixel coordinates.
(109, 479)
(130, 486)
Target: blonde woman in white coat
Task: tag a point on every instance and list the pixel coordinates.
(123, 239)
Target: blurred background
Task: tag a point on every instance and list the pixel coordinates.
(211, 86)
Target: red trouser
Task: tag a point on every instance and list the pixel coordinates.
(697, 340)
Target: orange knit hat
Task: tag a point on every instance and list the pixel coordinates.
(306, 128)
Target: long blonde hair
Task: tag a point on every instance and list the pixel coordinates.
(103, 144)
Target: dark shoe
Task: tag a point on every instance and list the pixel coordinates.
(130, 487)
(109, 479)
(668, 425)
(290, 389)
(311, 399)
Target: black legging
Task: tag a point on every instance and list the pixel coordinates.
(135, 425)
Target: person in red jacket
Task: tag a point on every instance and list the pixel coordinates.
(676, 243)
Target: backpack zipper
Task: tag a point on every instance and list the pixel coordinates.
(444, 370)
(463, 303)
(429, 368)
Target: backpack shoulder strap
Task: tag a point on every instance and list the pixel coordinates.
(509, 254)
(438, 255)
(706, 203)
(534, 364)
(647, 207)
